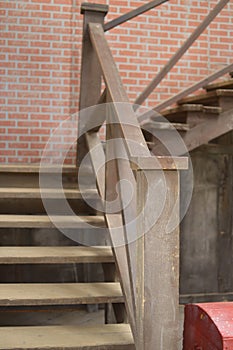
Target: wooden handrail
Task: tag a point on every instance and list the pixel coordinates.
(175, 58)
(202, 83)
(123, 112)
(132, 14)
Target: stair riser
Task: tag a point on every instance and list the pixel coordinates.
(56, 206)
(14, 179)
(51, 237)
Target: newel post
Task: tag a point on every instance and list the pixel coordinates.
(158, 259)
(90, 85)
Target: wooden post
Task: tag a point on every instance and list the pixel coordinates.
(90, 86)
(158, 264)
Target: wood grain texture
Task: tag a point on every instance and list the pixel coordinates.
(101, 337)
(55, 255)
(158, 263)
(59, 294)
(53, 193)
(43, 221)
(226, 84)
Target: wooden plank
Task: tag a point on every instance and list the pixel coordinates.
(53, 193)
(193, 88)
(23, 168)
(118, 238)
(67, 337)
(191, 108)
(123, 112)
(43, 221)
(224, 243)
(97, 158)
(166, 69)
(90, 83)
(158, 263)
(226, 84)
(132, 14)
(202, 133)
(55, 255)
(205, 298)
(113, 221)
(209, 130)
(204, 98)
(153, 125)
(97, 117)
(59, 294)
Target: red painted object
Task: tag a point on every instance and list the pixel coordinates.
(208, 326)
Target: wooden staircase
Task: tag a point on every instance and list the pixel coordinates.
(199, 119)
(49, 258)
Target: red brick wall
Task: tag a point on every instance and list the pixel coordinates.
(40, 61)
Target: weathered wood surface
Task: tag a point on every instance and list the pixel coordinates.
(132, 14)
(55, 255)
(23, 168)
(201, 134)
(123, 113)
(53, 193)
(226, 84)
(59, 294)
(101, 337)
(90, 84)
(205, 298)
(209, 98)
(194, 88)
(171, 63)
(158, 265)
(43, 221)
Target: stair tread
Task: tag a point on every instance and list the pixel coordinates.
(99, 337)
(227, 84)
(59, 293)
(36, 168)
(19, 192)
(206, 96)
(191, 108)
(46, 255)
(165, 126)
(43, 221)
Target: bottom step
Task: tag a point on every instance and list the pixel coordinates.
(101, 337)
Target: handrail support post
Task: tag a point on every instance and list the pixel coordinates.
(90, 84)
(157, 302)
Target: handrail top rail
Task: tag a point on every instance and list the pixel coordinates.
(159, 163)
(132, 14)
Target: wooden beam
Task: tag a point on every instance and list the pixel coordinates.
(166, 69)
(188, 91)
(90, 85)
(132, 14)
(124, 114)
(158, 264)
(202, 133)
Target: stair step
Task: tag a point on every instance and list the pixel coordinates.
(43, 221)
(59, 294)
(206, 98)
(23, 168)
(227, 84)
(55, 255)
(153, 125)
(100, 337)
(53, 193)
